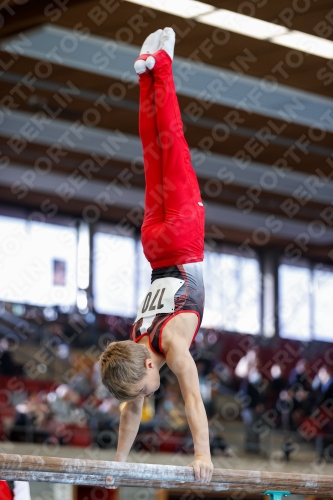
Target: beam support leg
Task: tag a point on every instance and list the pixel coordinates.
(276, 495)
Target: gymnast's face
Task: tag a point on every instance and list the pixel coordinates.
(151, 381)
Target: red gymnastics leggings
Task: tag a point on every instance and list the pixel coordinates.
(173, 228)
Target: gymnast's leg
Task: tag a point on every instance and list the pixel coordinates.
(152, 154)
(183, 228)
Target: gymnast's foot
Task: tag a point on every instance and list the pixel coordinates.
(150, 45)
(167, 43)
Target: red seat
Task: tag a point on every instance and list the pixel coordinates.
(170, 442)
(77, 436)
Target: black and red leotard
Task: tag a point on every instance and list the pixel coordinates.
(190, 297)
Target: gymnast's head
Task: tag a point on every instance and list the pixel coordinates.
(128, 371)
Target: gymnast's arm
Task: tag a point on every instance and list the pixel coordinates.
(130, 418)
(180, 361)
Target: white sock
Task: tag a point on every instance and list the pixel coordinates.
(168, 40)
(167, 43)
(140, 66)
(151, 43)
(150, 62)
(149, 46)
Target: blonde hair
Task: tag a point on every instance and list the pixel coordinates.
(122, 366)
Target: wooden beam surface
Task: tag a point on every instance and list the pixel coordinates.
(96, 472)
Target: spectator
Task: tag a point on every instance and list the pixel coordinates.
(31, 415)
(276, 385)
(7, 366)
(294, 405)
(172, 412)
(104, 423)
(298, 375)
(247, 363)
(222, 378)
(284, 406)
(96, 381)
(205, 383)
(53, 333)
(253, 390)
(322, 386)
(64, 403)
(81, 382)
(96, 378)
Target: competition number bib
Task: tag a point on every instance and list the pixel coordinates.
(160, 297)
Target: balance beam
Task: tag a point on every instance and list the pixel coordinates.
(102, 473)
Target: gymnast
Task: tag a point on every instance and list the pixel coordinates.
(173, 242)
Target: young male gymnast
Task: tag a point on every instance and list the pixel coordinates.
(173, 242)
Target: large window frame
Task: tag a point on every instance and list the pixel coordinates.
(308, 299)
(45, 280)
(228, 316)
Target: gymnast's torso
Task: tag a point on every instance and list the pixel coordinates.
(174, 290)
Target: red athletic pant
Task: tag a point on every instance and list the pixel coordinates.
(173, 228)
(5, 493)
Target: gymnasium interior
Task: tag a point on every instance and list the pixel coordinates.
(254, 81)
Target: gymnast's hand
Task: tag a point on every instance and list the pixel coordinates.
(203, 469)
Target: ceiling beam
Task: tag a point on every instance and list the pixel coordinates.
(218, 85)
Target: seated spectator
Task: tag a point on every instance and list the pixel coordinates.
(302, 405)
(8, 367)
(104, 422)
(222, 379)
(294, 405)
(172, 412)
(205, 383)
(81, 382)
(64, 405)
(96, 378)
(100, 390)
(31, 416)
(298, 375)
(247, 363)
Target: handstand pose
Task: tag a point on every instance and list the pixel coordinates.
(173, 241)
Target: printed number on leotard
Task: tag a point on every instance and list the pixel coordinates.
(160, 297)
(151, 305)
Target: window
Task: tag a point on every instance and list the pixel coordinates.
(232, 288)
(114, 265)
(305, 302)
(323, 304)
(144, 275)
(37, 262)
(295, 302)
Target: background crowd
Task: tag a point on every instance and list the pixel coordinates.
(81, 412)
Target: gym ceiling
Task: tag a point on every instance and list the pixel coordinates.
(258, 114)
